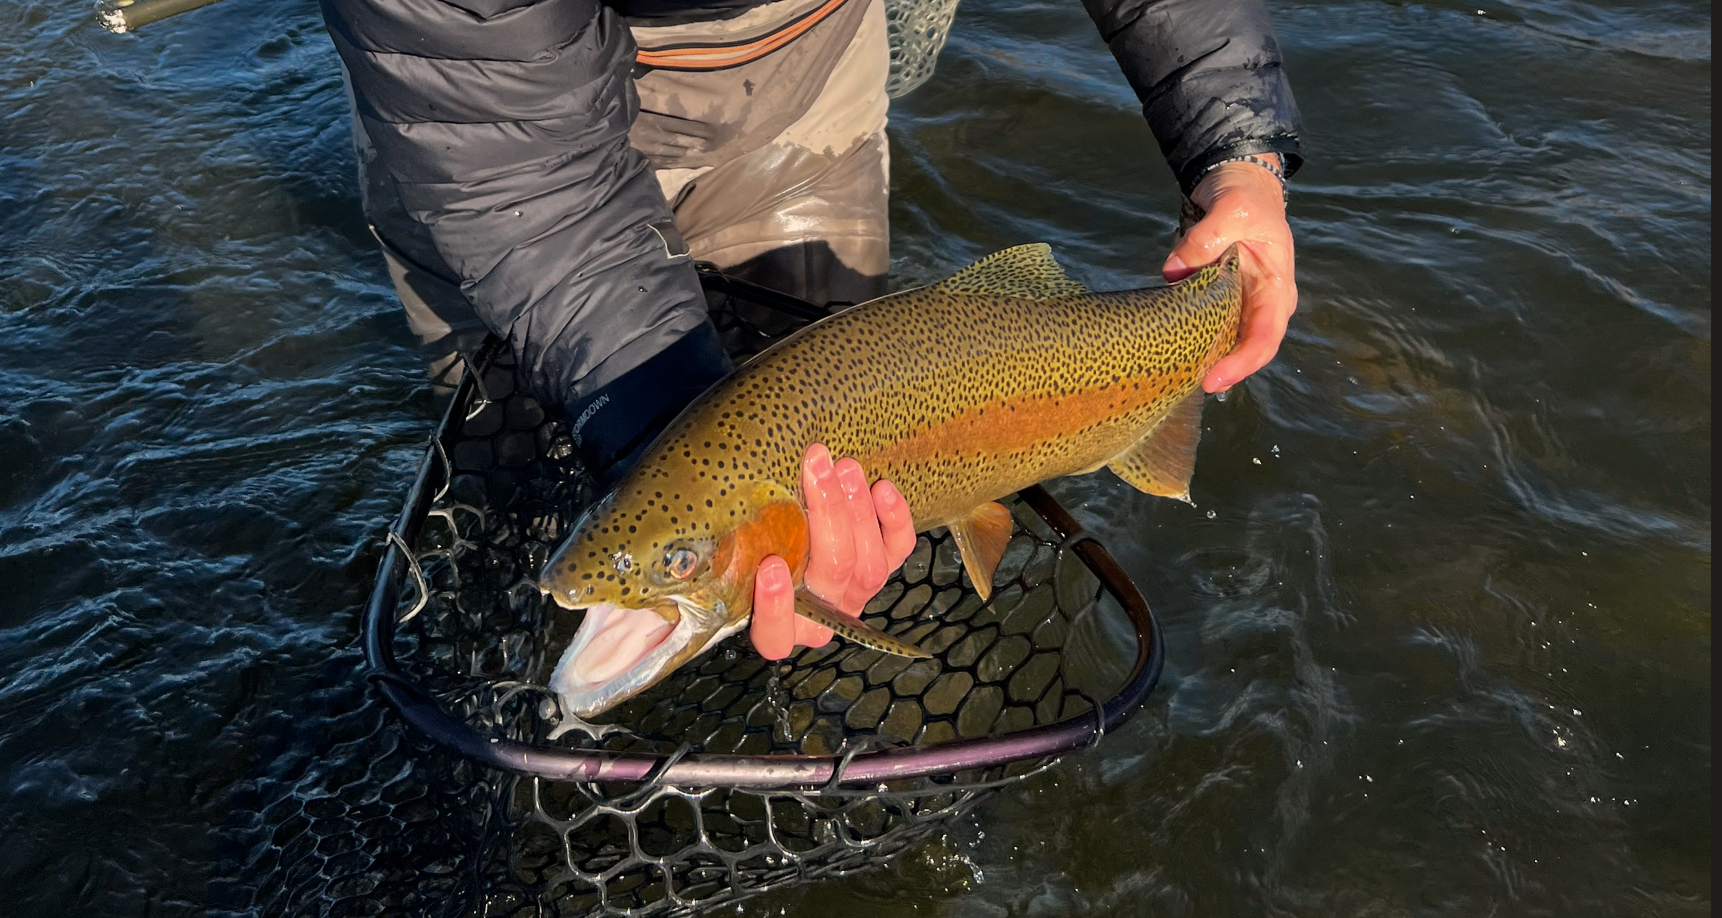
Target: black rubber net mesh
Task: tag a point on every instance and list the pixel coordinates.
(471, 633)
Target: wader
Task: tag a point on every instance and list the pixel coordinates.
(776, 168)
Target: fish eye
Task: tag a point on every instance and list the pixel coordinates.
(680, 563)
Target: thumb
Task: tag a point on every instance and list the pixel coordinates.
(773, 626)
(1201, 246)
(1175, 269)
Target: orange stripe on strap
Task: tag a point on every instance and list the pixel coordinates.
(719, 57)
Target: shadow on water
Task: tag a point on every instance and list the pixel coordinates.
(1441, 648)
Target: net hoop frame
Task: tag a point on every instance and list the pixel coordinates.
(690, 769)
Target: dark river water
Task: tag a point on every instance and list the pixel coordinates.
(1439, 631)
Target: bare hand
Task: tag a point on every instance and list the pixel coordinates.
(1245, 204)
(857, 536)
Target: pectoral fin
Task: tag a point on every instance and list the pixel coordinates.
(1162, 461)
(813, 609)
(982, 537)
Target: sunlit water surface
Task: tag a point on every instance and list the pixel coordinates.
(1438, 628)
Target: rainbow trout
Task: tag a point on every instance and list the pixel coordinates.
(959, 393)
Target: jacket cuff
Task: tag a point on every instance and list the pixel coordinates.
(1286, 145)
(614, 423)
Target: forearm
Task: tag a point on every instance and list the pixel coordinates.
(1209, 75)
(506, 134)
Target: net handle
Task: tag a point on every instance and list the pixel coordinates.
(427, 717)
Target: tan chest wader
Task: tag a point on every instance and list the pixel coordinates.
(768, 132)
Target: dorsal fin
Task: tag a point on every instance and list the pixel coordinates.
(1026, 271)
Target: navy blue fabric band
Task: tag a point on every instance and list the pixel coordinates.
(612, 424)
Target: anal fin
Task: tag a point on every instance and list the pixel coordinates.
(1162, 462)
(981, 537)
(814, 609)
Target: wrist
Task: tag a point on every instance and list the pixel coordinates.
(1260, 176)
(1273, 162)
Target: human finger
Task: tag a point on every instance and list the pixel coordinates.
(773, 629)
(1270, 302)
(869, 572)
(896, 523)
(831, 540)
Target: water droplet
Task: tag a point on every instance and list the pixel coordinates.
(1212, 514)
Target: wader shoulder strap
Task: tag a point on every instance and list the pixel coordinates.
(724, 55)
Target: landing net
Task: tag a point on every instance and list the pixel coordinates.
(917, 30)
(735, 775)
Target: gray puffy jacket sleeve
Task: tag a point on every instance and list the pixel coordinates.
(505, 124)
(1209, 75)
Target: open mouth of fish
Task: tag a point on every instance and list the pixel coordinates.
(619, 652)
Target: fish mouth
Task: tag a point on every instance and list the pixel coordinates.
(619, 652)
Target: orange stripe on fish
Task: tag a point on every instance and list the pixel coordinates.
(1003, 426)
